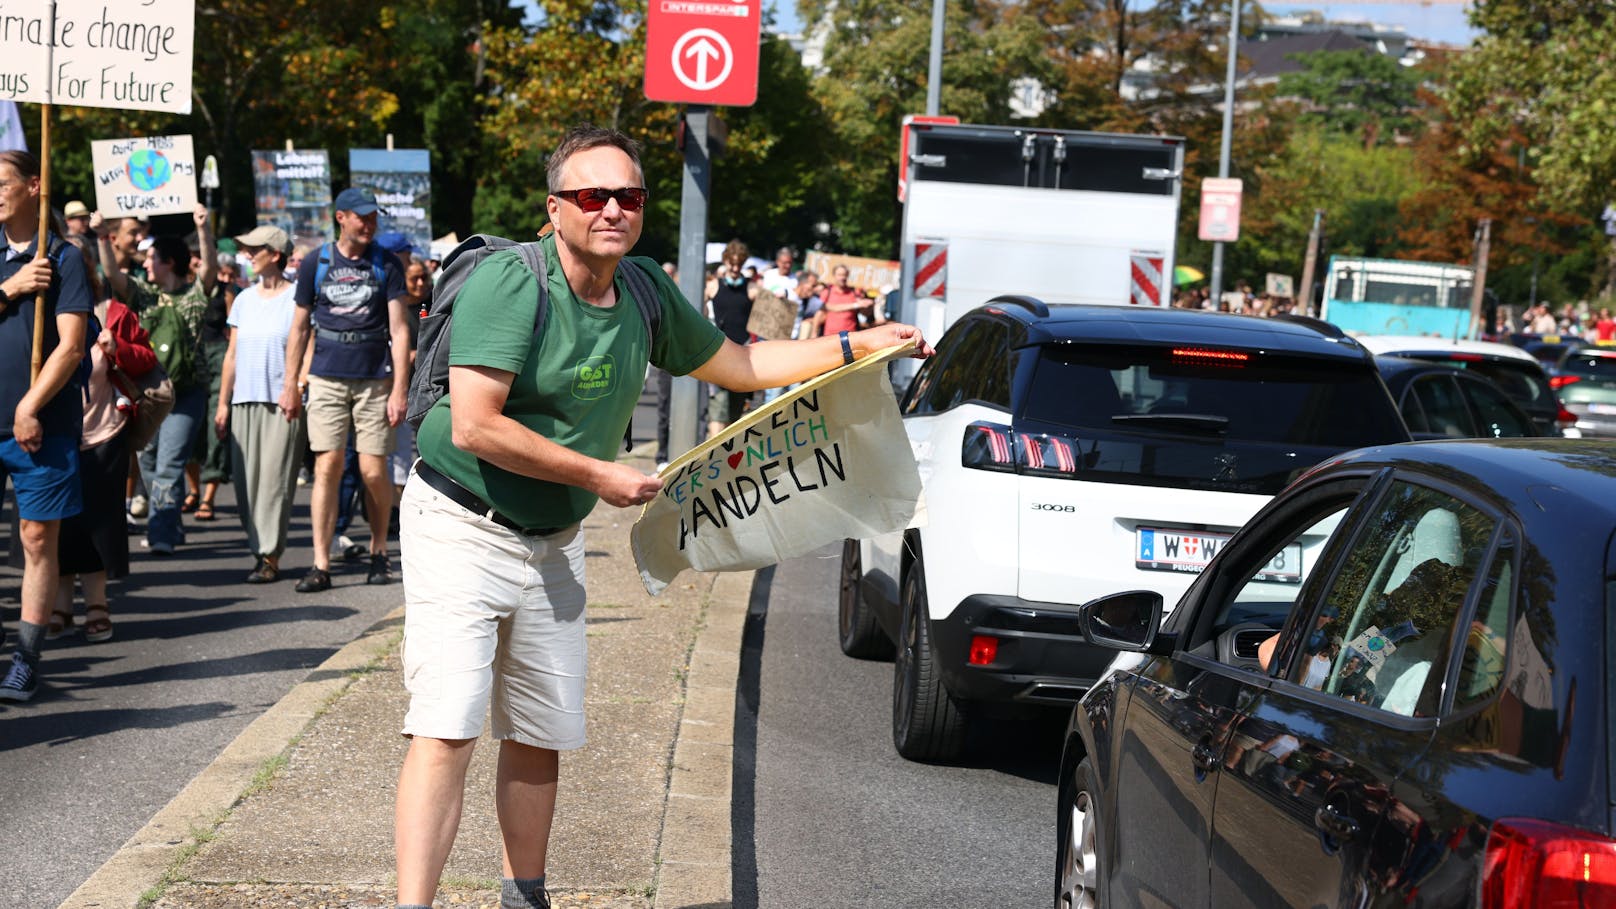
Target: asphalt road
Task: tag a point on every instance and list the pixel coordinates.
(122, 726)
(826, 812)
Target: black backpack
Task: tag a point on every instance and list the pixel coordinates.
(431, 379)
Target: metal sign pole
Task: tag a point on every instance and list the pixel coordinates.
(683, 402)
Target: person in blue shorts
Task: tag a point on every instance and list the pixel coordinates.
(40, 418)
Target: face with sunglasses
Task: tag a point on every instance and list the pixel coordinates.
(600, 212)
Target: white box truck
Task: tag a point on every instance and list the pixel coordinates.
(1061, 215)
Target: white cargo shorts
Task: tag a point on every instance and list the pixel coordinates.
(492, 618)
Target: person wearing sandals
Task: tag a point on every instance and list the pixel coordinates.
(265, 444)
(94, 544)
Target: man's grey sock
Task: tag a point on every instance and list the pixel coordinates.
(523, 893)
(29, 637)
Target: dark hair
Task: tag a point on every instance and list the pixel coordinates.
(174, 251)
(582, 138)
(22, 162)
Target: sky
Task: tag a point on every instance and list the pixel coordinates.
(1436, 20)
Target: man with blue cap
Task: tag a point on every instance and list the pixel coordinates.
(351, 298)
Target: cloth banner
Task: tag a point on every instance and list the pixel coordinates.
(827, 462)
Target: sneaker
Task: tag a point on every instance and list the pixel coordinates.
(303, 477)
(137, 506)
(159, 547)
(353, 552)
(340, 546)
(379, 572)
(21, 683)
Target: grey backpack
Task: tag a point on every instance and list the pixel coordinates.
(431, 380)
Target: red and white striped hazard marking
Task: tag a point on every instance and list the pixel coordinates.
(1145, 288)
(931, 269)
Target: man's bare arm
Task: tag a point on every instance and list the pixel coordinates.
(771, 364)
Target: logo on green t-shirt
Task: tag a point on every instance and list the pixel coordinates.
(593, 377)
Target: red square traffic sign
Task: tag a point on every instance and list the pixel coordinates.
(703, 51)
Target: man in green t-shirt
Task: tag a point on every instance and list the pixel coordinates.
(512, 459)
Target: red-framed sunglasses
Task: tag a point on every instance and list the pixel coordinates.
(594, 198)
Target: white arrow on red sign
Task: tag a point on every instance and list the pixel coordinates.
(706, 47)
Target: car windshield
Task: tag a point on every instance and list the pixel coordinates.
(1231, 421)
(1590, 364)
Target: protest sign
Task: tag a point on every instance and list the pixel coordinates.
(823, 463)
(144, 177)
(402, 181)
(870, 274)
(132, 56)
(293, 187)
(773, 317)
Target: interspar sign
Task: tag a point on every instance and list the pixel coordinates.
(128, 55)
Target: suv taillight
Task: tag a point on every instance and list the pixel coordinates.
(990, 446)
(1558, 382)
(1531, 863)
(1563, 417)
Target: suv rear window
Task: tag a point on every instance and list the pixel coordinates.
(1156, 416)
(1590, 364)
(1525, 384)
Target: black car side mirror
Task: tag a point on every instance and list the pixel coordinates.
(1122, 621)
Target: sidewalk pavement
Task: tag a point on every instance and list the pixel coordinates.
(298, 810)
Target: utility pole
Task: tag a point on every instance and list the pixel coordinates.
(1484, 232)
(683, 400)
(934, 68)
(1304, 301)
(1228, 136)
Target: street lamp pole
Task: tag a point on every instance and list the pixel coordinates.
(934, 70)
(1228, 136)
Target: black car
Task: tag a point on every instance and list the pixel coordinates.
(1523, 379)
(1439, 401)
(1424, 719)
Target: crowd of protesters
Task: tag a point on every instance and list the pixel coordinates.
(172, 366)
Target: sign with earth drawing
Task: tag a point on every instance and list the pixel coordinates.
(154, 175)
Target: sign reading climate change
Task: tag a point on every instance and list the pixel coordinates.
(826, 462)
(128, 54)
(144, 177)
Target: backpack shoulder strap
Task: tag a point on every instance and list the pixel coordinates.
(532, 255)
(643, 289)
(321, 266)
(378, 265)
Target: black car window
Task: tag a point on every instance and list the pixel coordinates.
(1586, 363)
(1382, 633)
(970, 369)
(1523, 382)
(1486, 643)
(1443, 407)
(1189, 417)
(994, 386)
(918, 399)
(1498, 418)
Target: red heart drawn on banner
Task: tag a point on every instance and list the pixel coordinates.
(735, 459)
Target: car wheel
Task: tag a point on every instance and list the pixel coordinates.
(927, 723)
(1077, 877)
(861, 635)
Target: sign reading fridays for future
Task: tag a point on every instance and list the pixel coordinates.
(128, 54)
(826, 462)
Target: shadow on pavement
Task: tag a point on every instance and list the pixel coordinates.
(57, 728)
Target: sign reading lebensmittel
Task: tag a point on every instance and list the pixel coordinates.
(703, 51)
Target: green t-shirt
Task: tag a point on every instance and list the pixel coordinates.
(576, 384)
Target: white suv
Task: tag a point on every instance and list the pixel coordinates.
(1070, 452)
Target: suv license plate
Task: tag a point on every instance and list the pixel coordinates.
(1174, 550)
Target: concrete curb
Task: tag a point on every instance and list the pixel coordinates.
(696, 836)
(141, 863)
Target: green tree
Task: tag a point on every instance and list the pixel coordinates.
(1356, 92)
(875, 73)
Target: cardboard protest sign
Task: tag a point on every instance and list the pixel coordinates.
(144, 177)
(870, 274)
(773, 317)
(401, 178)
(132, 56)
(293, 187)
(823, 463)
